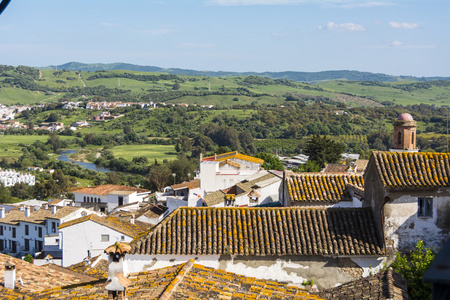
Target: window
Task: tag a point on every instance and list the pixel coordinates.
(412, 137)
(84, 199)
(14, 232)
(1, 230)
(425, 207)
(2, 248)
(27, 230)
(122, 238)
(120, 200)
(40, 232)
(105, 238)
(53, 227)
(27, 245)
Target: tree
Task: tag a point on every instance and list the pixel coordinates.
(412, 267)
(176, 86)
(5, 194)
(52, 117)
(271, 162)
(159, 176)
(323, 150)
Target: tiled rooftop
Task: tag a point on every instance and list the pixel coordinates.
(152, 211)
(104, 190)
(37, 278)
(185, 281)
(110, 222)
(412, 170)
(385, 285)
(14, 216)
(335, 168)
(193, 184)
(262, 231)
(306, 187)
(96, 267)
(234, 154)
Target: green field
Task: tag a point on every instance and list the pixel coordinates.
(151, 152)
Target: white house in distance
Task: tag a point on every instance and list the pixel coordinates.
(90, 235)
(224, 170)
(107, 197)
(25, 229)
(11, 177)
(182, 194)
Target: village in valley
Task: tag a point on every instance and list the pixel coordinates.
(235, 230)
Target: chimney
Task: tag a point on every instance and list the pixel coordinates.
(116, 257)
(10, 275)
(53, 208)
(2, 212)
(27, 211)
(132, 219)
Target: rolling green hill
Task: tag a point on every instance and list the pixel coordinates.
(26, 85)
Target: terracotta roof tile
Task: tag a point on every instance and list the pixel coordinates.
(321, 187)
(110, 222)
(193, 184)
(39, 216)
(335, 168)
(262, 231)
(412, 170)
(37, 278)
(152, 211)
(385, 285)
(104, 190)
(96, 267)
(234, 154)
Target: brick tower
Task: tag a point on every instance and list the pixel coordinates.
(405, 133)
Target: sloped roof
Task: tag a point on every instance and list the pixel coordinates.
(110, 222)
(412, 170)
(215, 198)
(104, 190)
(361, 165)
(335, 168)
(262, 231)
(14, 216)
(152, 211)
(234, 154)
(306, 187)
(193, 184)
(37, 278)
(185, 281)
(96, 267)
(384, 285)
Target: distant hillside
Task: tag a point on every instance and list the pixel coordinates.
(310, 77)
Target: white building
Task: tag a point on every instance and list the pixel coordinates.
(11, 177)
(224, 170)
(91, 235)
(107, 197)
(260, 189)
(183, 194)
(25, 229)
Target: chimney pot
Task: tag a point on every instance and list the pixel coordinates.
(53, 208)
(10, 275)
(27, 211)
(2, 212)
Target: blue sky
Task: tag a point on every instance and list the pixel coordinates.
(397, 37)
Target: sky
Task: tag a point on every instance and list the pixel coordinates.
(395, 37)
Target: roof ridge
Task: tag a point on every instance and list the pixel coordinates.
(178, 278)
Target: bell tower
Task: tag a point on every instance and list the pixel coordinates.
(405, 136)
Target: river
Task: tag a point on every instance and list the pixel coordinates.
(64, 157)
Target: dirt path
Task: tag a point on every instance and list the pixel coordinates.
(81, 79)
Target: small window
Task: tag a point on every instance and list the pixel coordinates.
(105, 238)
(27, 230)
(1, 231)
(425, 207)
(122, 238)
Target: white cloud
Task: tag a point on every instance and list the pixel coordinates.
(396, 44)
(109, 24)
(403, 25)
(367, 4)
(342, 27)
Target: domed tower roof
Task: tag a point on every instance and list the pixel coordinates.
(405, 117)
